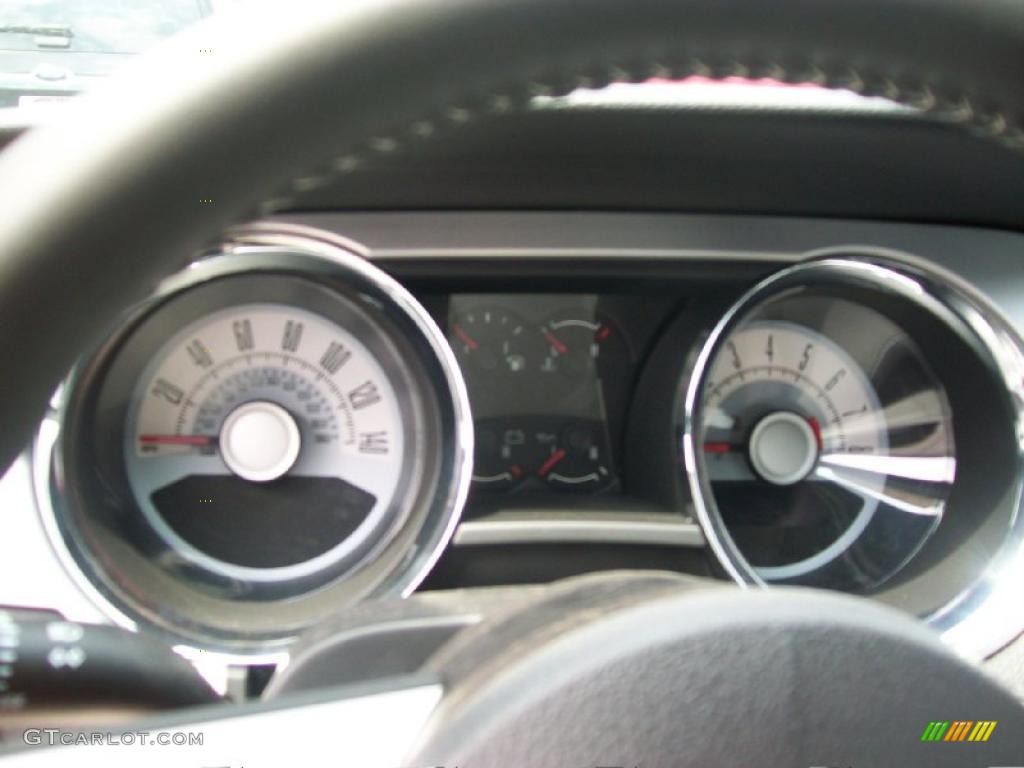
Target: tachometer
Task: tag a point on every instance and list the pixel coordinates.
(822, 444)
(785, 405)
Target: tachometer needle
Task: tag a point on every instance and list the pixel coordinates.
(816, 429)
(468, 340)
(177, 439)
(717, 447)
(548, 465)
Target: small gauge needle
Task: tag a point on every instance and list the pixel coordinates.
(177, 439)
(548, 465)
(468, 340)
(555, 342)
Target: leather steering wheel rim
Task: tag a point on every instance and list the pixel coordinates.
(104, 202)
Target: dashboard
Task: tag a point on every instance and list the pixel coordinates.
(333, 407)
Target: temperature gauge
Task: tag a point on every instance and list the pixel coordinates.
(577, 348)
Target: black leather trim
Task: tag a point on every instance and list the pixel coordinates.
(98, 207)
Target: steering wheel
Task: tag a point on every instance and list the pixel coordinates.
(246, 112)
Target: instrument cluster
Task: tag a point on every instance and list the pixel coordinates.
(284, 430)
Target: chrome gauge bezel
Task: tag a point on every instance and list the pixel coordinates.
(986, 611)
(276, 612)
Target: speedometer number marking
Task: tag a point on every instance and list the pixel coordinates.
(292, 336)
(199, 354)
(243, 335)
(335, 357)
(364, 396)
(169, 392)
(373, 442)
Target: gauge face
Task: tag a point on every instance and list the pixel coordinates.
(576, 346)
(825, 471)
(253, 420)
(786, 406)
(571, 457)
(281, 432)
(580, 459)
(493, 342)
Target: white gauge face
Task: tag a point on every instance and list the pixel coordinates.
(785, 406)
(265, 419)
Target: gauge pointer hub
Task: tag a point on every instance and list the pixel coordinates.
(784, 447)
(259, 441)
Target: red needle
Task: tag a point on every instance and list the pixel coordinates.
(176, 439)
(555, 342)
(816, 429)
(468, 340)
(553, 459)
(717, 447)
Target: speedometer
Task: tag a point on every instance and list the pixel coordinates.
(269, 421)
(280, 432)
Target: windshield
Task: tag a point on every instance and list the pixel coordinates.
(98, 26)
(51, 50)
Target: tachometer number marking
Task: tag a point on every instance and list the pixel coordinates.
(199, 354)
(836, 378)
(335, 357)
(373, 442)
(364, 396)
(736, 362)
(166, 390)
(292, 336)
(243, 335)
(805, 359)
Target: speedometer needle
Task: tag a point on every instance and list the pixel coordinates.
(177, 439)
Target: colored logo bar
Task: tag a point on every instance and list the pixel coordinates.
(958, 730)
